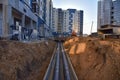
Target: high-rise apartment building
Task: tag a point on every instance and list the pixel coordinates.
(73, 21)
(109, 17)
(80, 21)
(60, 21)
(108, 12)
(57, 21)
(104, 12)
(48, 11)
(67, 21)
(25, 17)
(16, 15)
(45, 21)
(116, 12)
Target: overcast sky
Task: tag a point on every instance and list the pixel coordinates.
(88, 6)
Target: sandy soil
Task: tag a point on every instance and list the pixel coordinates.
(94, 59)
(20, 61)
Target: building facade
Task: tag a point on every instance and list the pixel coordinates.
(116, 12)
(28, 18)
(108, 12)
(25, 17)
(48, 11)
(45, 21)
(104, 12)
(109, 17)
(17, 18)
(80, 20)
(73, 21)
(60, 21)
(55, 20)
(67, 21)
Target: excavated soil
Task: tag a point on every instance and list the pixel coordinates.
(24, 61)
(94, 59)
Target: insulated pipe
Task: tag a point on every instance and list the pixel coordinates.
(57, 67)
(51, 66)
(67, 72)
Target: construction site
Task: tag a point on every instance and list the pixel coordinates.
(78, 58)
(41, 42)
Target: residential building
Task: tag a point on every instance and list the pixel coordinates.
(48, 11)
(73, 21)
(17, 17)
(67, 21)
(55, 20)
(60, 21)
(35, 6)
(45, 20)
(25, 17)
(80, 21)
(104, 12)
(108, 16)
(116, 12)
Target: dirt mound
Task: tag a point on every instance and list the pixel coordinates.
(20, 61)
(94, 59)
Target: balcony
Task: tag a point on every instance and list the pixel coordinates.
(35, 2)
(35, 7)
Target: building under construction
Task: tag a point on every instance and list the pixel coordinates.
(16, 15)
(24, 18)
(109, 17)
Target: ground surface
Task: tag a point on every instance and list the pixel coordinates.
(94, 59)
(21, 61)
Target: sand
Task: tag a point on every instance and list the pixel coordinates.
(94, 59)
(22, 61)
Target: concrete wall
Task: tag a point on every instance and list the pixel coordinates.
(3, 1)
(116, 30)
(15, 9)
(20, 9)
(23, 9)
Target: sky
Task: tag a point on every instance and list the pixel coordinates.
(88, 6)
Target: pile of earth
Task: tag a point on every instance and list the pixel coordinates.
(24, 61)
(94, 59)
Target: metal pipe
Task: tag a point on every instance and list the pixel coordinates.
(57, 67)
(54, 72)
(67, 72)
(51, 66)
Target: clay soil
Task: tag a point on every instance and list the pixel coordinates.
(94, 59)
(24, 61)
